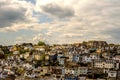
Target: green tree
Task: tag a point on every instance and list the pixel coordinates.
(41, 43)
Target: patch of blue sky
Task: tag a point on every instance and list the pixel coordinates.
(43, 18)
(32, 1)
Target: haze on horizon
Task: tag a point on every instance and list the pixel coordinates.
(59, 21)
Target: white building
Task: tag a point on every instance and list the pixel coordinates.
(112, 74)
(69, 71)
(16, 52)
(109, 63)
(87, 59)
(117, 57)
(82, 70)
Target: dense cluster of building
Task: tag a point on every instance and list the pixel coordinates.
(92, 60)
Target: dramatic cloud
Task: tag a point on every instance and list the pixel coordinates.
(57, 11)
(89, 20)
(10, 16)
(15, 13)
(63, 21)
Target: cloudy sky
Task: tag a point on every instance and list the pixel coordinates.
(59, 21)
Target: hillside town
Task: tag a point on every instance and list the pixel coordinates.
(89, 60)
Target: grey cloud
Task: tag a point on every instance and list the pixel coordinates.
(114, 33)
(10, 15)
(58, 11)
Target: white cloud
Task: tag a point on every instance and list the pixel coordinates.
(41, 37)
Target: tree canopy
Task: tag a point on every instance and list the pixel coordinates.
(41, 43)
